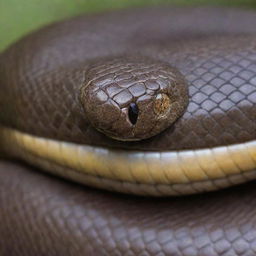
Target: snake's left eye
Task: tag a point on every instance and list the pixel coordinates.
(133, 113)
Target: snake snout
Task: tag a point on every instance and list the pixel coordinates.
(133, 97)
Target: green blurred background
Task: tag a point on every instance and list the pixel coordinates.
(18, 17)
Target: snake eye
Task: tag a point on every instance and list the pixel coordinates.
(162, 104)
(133, 113)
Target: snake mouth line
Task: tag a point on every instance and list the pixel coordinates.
(177, 172)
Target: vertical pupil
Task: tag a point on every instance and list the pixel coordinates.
(133, 112)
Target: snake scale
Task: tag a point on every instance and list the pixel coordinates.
(155, 101)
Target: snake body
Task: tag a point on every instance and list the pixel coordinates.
(214, 50)
(152, 102)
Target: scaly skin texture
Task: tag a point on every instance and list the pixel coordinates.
(42, 74)
(42, 215)
(46, 216)
(159, 92)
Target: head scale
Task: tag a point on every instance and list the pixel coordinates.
(133, 98)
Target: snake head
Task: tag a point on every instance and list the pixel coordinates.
(133, 98)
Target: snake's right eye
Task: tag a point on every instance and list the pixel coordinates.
(133, 113)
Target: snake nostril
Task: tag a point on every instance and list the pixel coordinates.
(133, 113)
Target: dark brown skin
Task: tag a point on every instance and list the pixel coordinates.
(132, 97)
(41, 215)
(45, 72)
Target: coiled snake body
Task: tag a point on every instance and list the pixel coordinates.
(174, 96)
(156, 101)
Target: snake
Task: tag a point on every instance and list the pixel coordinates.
(154, 102)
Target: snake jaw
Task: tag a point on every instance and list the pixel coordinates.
(131, 98)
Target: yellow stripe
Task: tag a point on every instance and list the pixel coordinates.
(142, 167)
